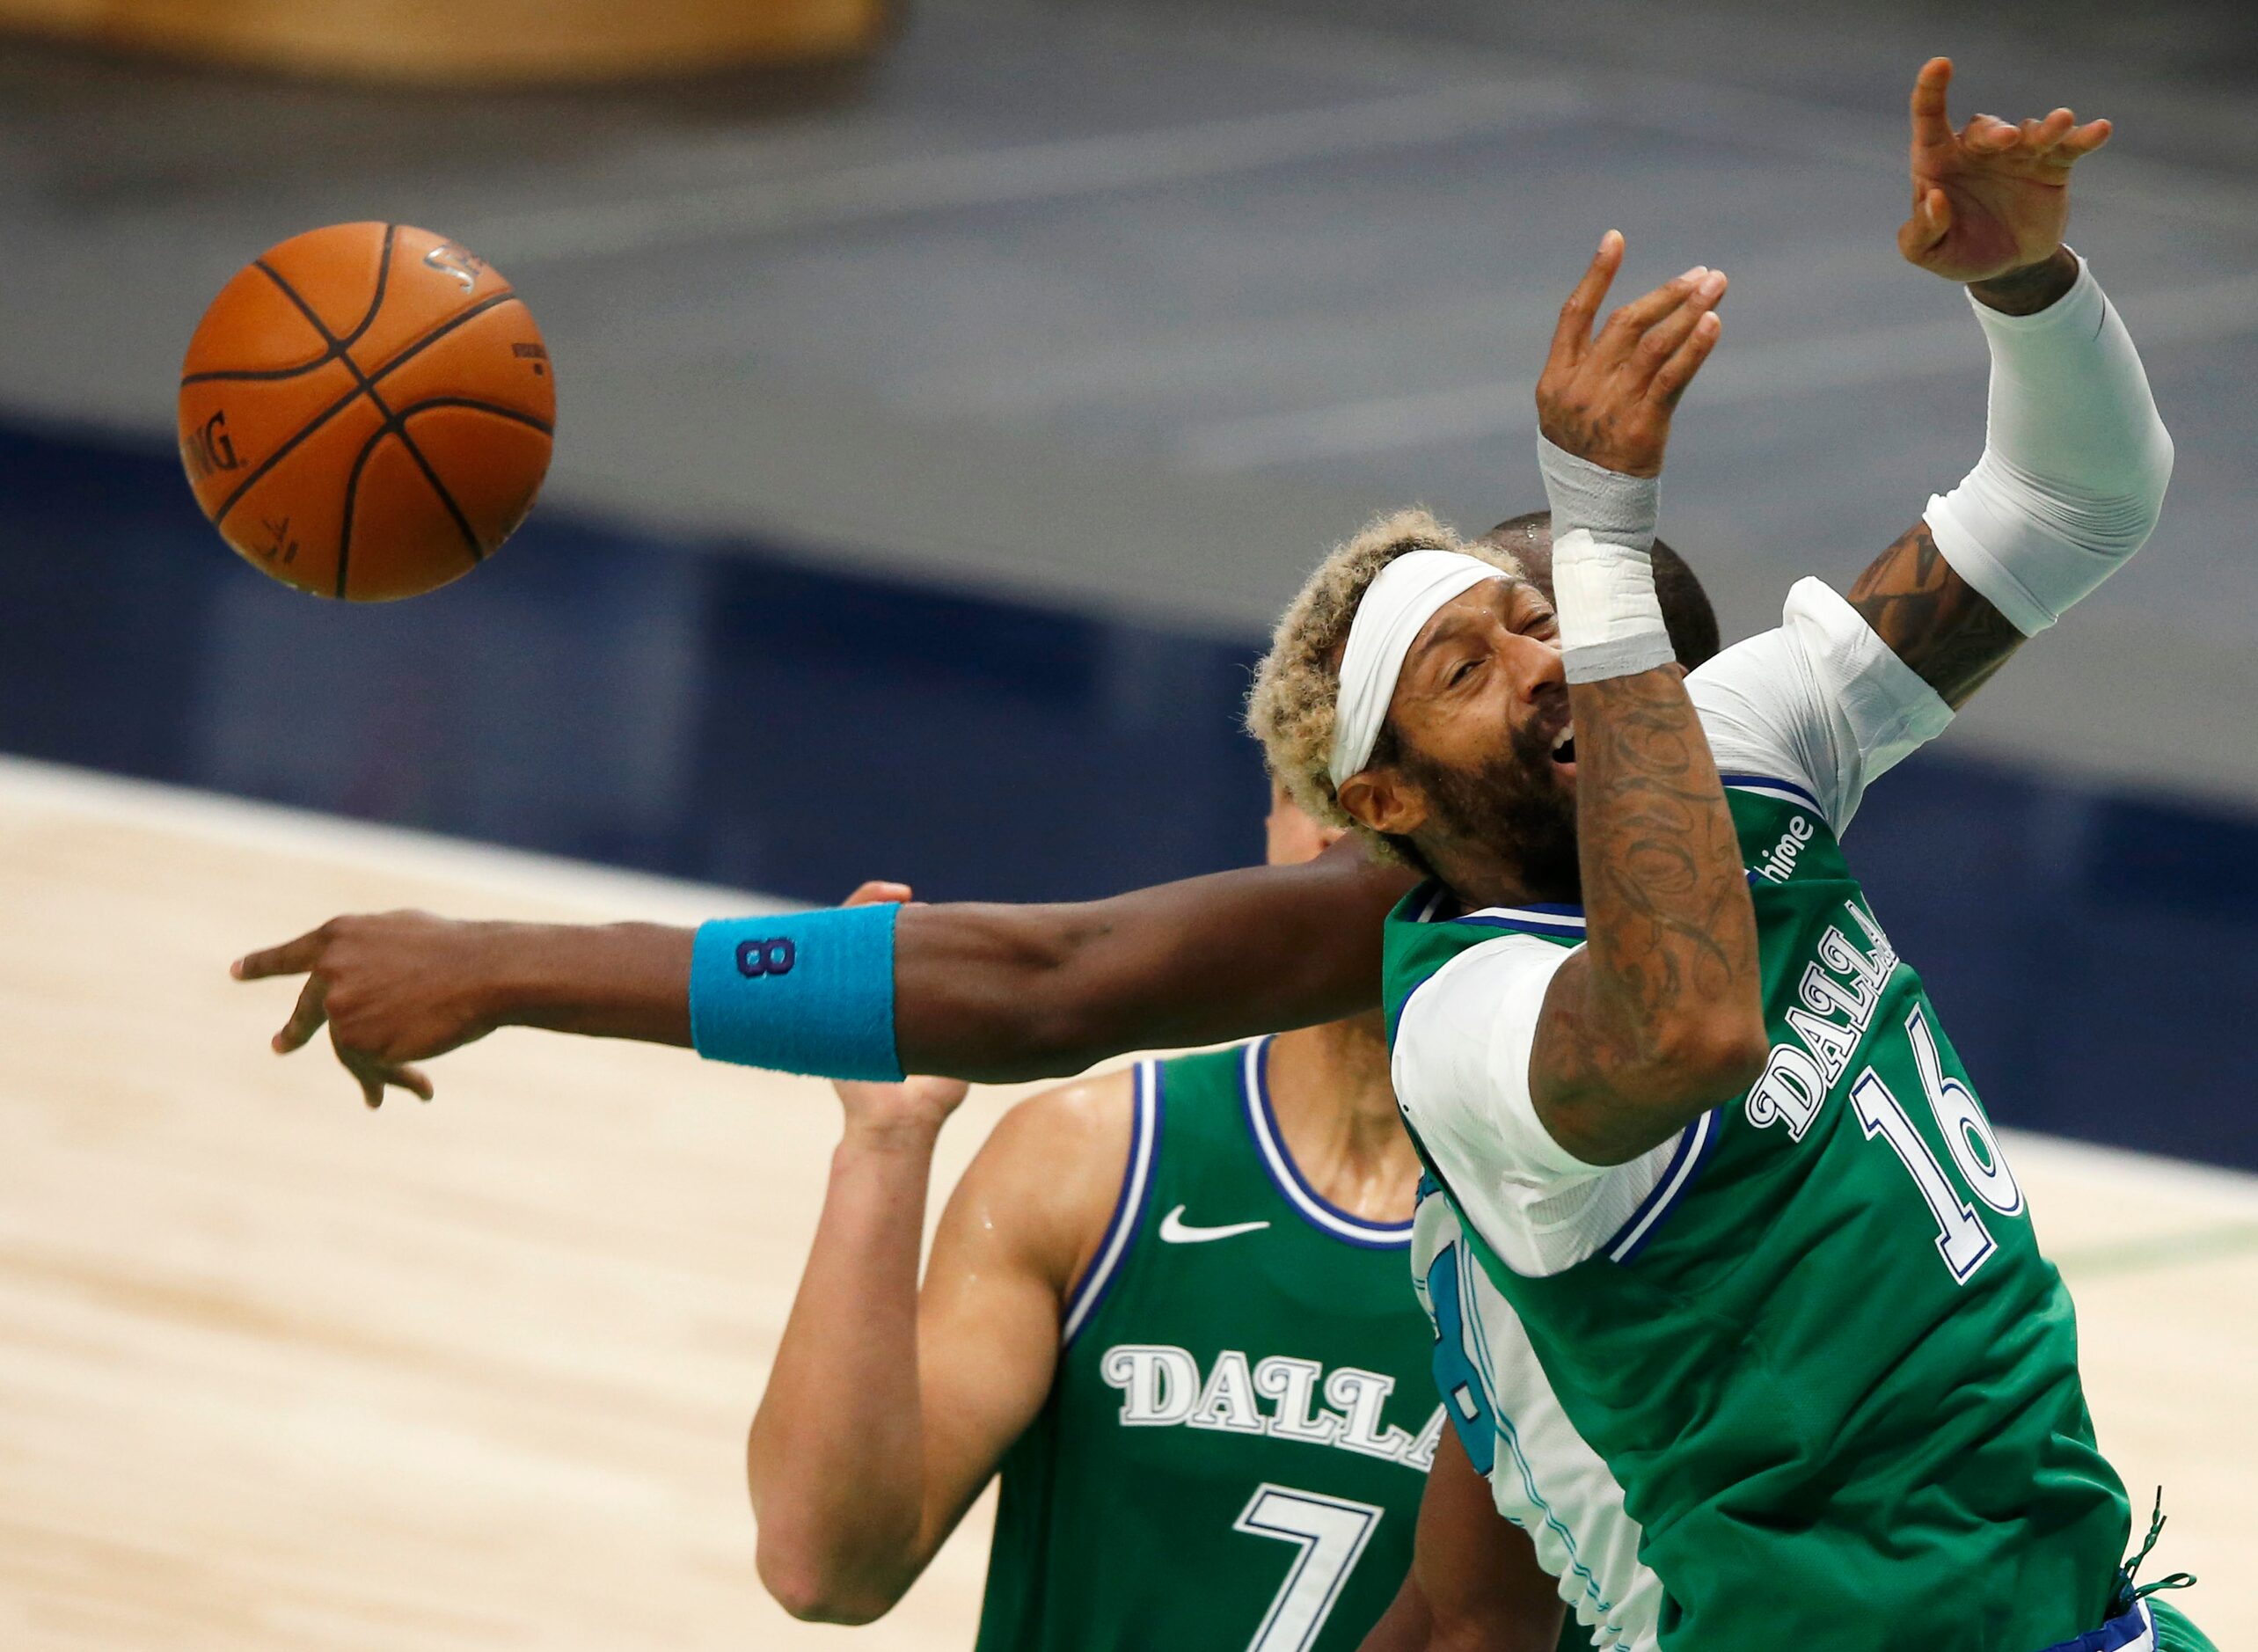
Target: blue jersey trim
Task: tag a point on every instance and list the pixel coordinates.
(1129, 1205)
(1767, 783)
(1695, 1145)
(1285, 1175)
(2132, 1631)
(1524, 925)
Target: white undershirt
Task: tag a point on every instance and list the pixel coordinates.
(1822, 702)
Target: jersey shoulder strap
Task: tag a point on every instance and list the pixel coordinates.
(1129, 1205)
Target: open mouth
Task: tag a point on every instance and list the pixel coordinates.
(1564, 747)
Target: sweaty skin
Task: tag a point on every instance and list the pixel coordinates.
(889, 1407)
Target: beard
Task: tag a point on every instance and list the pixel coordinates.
(1514, 802)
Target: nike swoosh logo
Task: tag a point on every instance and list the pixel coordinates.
(1176, 1231)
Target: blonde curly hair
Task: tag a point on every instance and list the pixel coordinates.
(1291, 705)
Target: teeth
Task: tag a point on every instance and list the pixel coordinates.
(1563, 737)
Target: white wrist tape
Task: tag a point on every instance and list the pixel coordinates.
(1603, 567)
(2075, 464)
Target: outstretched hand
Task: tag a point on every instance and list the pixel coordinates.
(1609, 398)
(391, 987)
(1989, 198)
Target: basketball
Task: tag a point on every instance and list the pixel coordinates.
(365, 412)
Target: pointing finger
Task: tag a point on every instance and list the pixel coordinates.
(306, 1019)
(1930, 126)
(2086, 139)
(1574, 333)
(291, 958)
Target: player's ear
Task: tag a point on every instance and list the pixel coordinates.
(1384, 798)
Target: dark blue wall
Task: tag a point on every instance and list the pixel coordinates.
(740, 718)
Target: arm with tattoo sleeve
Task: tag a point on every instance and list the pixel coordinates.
(1657, 1017)
(2074, 470)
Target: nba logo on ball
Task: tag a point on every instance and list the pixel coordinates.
(366, 412)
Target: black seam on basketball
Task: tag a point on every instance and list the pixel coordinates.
(336, 346)
(392, 423)
(352, 495)
(410, 352)
(494, 407)
(470, 533)
(285, 450)
(331, 348)
(336, 354)
(365, 386)
(323, 359)
(305, 309)
(383, 275)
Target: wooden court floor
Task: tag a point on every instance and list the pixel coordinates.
(279, 1373)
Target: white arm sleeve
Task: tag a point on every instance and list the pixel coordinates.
(1461, 1071)
(2075, 464)
(1822, 702)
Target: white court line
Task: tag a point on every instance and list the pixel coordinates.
(387, 850)
(1058, 169)
(1384, 424)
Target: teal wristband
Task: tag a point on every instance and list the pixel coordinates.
(808, 993)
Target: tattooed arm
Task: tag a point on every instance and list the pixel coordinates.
(1932, 619)
(2074, 471)
(1658, 1017)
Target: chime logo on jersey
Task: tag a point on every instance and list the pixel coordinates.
(1162, 1386)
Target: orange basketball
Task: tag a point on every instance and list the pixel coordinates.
(365, 410)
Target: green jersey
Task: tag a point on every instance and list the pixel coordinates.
(1234, 1447)
(1799, 1377)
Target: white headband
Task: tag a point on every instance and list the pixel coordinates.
(1396, 608)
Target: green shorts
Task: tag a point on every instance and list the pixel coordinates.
(2174, 1631)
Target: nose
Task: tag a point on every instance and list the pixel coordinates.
(1533, 668)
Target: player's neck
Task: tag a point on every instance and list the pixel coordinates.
(1479, 876)
(1329, 1088)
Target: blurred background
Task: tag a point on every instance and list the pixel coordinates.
(950, 397)
(951, 393)
(944, 420)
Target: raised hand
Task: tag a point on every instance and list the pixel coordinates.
(1990, 198)
(919, 1103)
(1609, 398)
